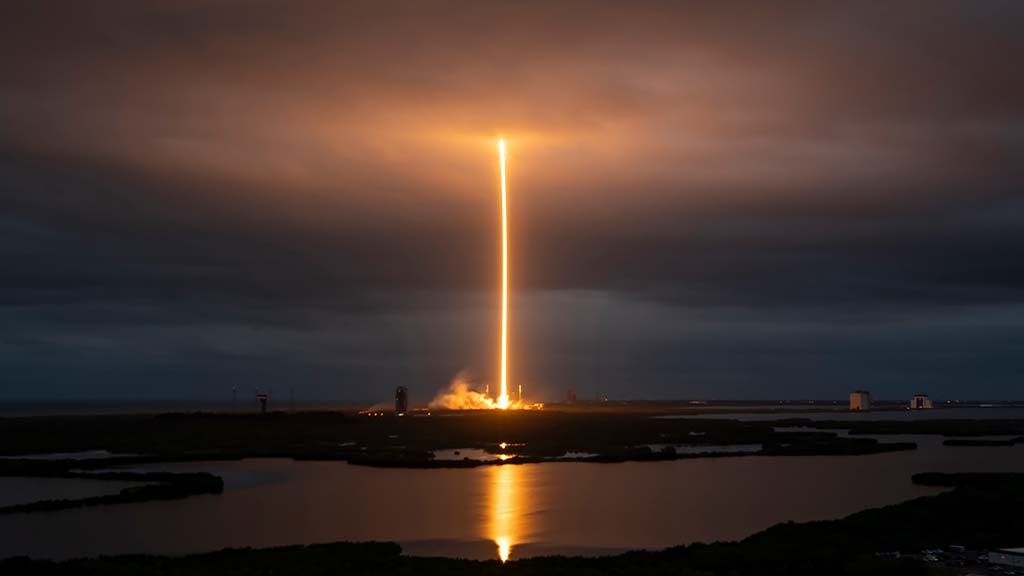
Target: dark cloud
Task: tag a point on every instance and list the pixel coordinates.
(169, 170)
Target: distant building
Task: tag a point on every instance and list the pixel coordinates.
(571, 396)
(401, 400)
(1007, 557)
(860, 401)
(262, 399)
(921, 402)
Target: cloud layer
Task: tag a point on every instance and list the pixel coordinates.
(308, 183)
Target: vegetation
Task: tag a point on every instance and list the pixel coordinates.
(949, 428)
(969, 442)
(534, 436)
(389, 441)
(181, 486)
(982, 511)
(970, 479)
(155, 485)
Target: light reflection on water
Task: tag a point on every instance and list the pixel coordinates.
(507, 513)
(501, 510)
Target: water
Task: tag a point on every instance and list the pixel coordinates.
(492, 511)
(246, 402)
(15, 491)
(82, 455)
(979, 413)
(707, 449)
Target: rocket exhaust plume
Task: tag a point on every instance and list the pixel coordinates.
(460, 395)
(503, 397)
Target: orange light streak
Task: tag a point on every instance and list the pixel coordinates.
(503, 398)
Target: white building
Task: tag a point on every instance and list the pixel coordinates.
(921, 402)
(860, 401)
(1007, 557)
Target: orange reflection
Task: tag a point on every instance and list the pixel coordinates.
(507, 512)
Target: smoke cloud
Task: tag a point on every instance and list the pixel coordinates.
(461, 396)
(382, 406)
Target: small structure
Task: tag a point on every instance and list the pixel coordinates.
(401, 400)
(262, 399)
(921, 402)
(860, 401)
(571, 396)
(1007, 557)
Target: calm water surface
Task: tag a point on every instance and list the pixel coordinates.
(15, 491)
(492, 511)
(973, 413)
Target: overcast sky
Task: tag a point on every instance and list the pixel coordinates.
(707, 200)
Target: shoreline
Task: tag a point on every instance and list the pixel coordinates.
(882, 540)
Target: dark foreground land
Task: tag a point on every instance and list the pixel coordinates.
(982, 511)
(534, 436)
(409, 442)
(154, 485)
